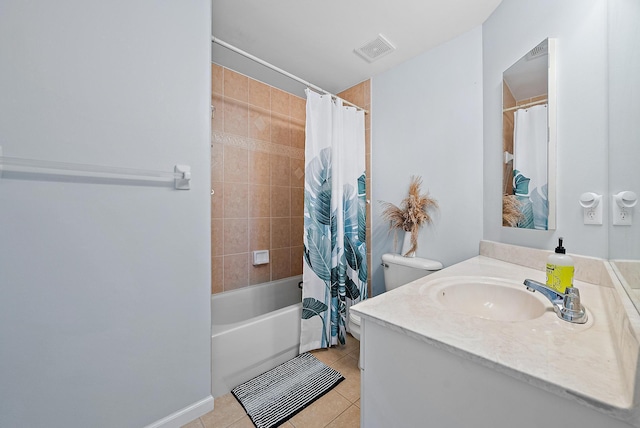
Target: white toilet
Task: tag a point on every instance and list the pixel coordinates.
(398, 270)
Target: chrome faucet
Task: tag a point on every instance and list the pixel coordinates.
(567, 306)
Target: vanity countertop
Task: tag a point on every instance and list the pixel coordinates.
(580, 362)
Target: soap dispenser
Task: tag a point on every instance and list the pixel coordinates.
(560, 269)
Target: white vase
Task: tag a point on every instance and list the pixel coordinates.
(406, 245)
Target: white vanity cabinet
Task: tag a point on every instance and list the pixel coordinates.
(425, 365)
(408, 383)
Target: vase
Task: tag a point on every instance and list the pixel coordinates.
(406, 245)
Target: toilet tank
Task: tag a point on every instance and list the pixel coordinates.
(399, 270)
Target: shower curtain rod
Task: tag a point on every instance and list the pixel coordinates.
(504, 110)
(281, 71)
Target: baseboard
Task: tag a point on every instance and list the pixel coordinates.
(185, 415)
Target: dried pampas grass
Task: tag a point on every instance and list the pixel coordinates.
(412, 213)
(511, 213)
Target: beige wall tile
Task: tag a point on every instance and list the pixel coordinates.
(280, 129)
(270, 185)
(217, 234)
(259, 234)
(236, 86)
(354, 95)
(280, 201)
(217, 79)
(259, 200)
(367, 120)
(217, 275)
(259, 168)
(217, 162)
(217, 199)
(259, 124)
(367, 93)
(281, 263)
(217, 119)
(236, 164)
(236, 117)
(297, 172)
(259, 274)
(236, 200)
(297, 231)
(298, 108)
(236, 271)
(280, 232)
(259, 94)
(280, 170)
(236, 237)
(297, 134)
(297, 260)
(280, 102)
(297, 201)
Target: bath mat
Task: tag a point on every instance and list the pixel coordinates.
(278, 394)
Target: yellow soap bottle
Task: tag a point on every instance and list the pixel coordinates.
(559, 269)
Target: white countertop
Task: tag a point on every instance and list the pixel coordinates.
(576, 361)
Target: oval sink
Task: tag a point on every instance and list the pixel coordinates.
(489, 298)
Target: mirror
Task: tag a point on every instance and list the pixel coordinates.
(528, 134)
(624, 137)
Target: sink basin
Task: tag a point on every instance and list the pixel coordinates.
(488, 298)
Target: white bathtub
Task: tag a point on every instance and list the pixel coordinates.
(253, 330)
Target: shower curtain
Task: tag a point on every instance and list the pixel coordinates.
(530, 166)
(335, 254)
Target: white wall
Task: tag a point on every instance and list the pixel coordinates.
(427, 121)
(580, 29)
(105, 310)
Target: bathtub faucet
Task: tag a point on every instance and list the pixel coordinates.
(567, 306)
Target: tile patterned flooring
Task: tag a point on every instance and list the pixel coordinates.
(339, 408)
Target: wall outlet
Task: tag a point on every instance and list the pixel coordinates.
(593, 215)
(622, 216)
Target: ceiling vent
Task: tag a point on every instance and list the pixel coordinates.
(375, 49)
(541, 50)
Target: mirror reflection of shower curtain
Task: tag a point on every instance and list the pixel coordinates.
(530, 178)
(335, 253)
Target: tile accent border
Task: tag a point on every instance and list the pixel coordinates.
(218, 137)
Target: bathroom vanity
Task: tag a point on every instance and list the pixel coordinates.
(469, 346)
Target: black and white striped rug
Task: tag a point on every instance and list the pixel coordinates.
(278, 394)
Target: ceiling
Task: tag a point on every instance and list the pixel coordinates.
(315, 40)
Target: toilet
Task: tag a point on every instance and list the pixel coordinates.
(398, 270)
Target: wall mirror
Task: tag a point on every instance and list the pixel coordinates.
(529, 134)
(624, 137)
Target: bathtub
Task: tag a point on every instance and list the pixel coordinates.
(253, 330)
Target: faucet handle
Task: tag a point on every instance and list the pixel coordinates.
(572, 299)
(573, 310)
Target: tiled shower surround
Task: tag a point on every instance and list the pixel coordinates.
(257, 176)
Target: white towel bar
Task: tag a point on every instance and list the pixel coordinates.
(181, 176)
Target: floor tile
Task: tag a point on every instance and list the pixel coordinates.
(321, 412)
(350, 386)
(226, 411)
(339, 408)
(194, 424)
(350, 418)
(243, 423)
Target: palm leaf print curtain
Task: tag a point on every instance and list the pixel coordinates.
(335, 254)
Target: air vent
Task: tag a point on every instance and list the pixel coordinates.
(540, 50)
(375, 49)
